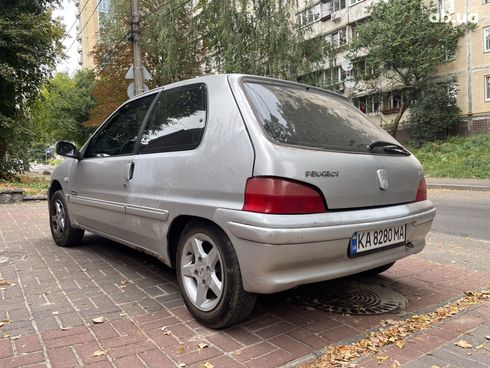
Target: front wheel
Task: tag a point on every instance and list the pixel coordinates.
(63, 233)
(209, 277)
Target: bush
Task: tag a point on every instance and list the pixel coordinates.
(10, 169)
(433, 113)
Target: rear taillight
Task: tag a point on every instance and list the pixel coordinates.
(421, 190)
(281, 196)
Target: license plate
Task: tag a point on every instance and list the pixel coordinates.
(365, 241)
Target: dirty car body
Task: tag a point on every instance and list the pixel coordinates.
(246, 185)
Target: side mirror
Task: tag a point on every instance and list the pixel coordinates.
(68, 150)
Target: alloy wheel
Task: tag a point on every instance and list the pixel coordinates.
(201, 268)
(58, 218)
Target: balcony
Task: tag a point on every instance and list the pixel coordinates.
(326, 10)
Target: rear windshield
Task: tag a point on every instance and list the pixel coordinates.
(299, 116)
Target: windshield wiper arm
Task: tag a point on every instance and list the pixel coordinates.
(388, 147)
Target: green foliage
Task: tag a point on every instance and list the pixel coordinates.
(62, 107)
(400, 42)
(220, 36)
(10, 168)
(258, 38)
(433, 113)
(29, 45)
(456, 157)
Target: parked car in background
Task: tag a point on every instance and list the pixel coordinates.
(246, 185)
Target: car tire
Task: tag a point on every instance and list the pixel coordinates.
(63, 233)
(377, 270)
(209, 277)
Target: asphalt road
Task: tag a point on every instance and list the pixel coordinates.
(461, 230)
(462, 213)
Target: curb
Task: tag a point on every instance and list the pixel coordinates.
(473, 188)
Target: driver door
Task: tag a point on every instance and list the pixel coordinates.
(99, 182)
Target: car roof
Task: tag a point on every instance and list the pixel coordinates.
(234, 76)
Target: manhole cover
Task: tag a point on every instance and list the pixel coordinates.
(11, 257)
(349, 297)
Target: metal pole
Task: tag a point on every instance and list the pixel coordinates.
(135, 39)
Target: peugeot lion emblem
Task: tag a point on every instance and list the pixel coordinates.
(383, 180)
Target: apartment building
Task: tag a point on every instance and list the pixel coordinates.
(470, 64)
(90, 15)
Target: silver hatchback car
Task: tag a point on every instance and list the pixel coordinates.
(246, 185)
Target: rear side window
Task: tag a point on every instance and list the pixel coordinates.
(120, 133)
(299, 116)
(177, 120)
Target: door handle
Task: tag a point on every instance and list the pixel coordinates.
(130, 171)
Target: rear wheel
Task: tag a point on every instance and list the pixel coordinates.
(377, 270)
(209, 277)
(63, 233)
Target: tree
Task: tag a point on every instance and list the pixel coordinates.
(259, 38)
(61, 109)
(29, 46)
(110, 86)
(181, 41)
(434, 112)
(401, 44)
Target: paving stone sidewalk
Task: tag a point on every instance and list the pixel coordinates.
(436, 347)
(56, 292)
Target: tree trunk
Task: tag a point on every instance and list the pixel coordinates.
(396, 122)
(3, 149)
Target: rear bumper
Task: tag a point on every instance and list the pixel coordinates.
(278, 252)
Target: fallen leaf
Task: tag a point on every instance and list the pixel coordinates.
(481, 346)
(207, 365)
(98, 353)
(181, 349)
(14, 337)
(435, 366)
(65, 328)
(309, 308)
(382, 358)
(4, 282)
(123, 314)
(83, 269)
(55, 313)
(181, 365)
(202, 345)
(400, 344)
(487, 337)
(463, 344)
(125, 281)
(168, 332)
(396, 364)
(98, 320)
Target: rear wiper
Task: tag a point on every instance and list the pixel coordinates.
(388, 147)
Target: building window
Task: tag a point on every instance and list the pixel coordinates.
(486, 38)
(309, 15)
(353, 2)
(369, 104)
(487, 88)
(104, 6)
(338, 38)
(445, 6)
(326, 7)
(338, 5)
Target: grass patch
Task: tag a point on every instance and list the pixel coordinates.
(456, 157)
(31, 185)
